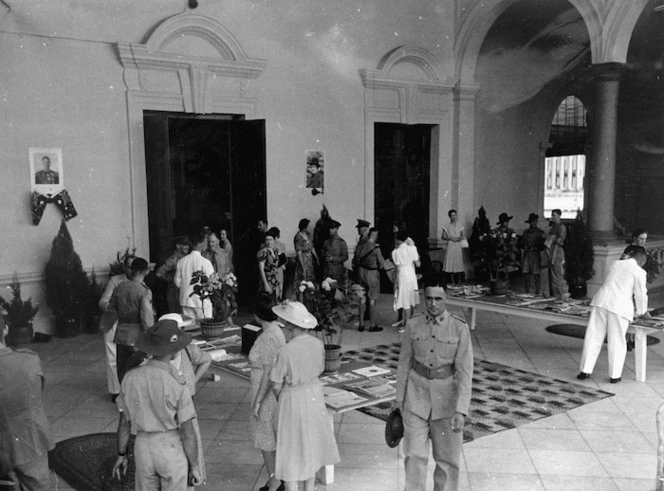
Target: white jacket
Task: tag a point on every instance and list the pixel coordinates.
(193, 261)
(623, 290)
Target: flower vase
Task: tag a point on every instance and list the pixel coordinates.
(211, 329)
(332, 358)
(499, 287)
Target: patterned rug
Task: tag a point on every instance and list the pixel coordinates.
(86, 462)
(502, 397)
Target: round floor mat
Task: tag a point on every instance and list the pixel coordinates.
(574, 331)
(86, 462)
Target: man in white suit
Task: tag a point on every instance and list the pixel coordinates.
(623, 291)
(194, 261)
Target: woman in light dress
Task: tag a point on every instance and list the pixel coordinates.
(406, 293)
(305, 435)
(453, 235)
(263, 417)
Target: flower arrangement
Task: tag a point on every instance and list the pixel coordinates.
(220, 291)
(504, 248)
(497, 248)
(332, 305)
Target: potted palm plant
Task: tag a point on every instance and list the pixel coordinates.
(19, 315)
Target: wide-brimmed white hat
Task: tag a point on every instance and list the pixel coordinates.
(173, 317)
(182, 320)
(295, 313)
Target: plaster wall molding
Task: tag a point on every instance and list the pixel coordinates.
(188, 63)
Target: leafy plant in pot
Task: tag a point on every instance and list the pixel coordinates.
(334, 306)
(66, 285)
(221, 292)
(19, 315)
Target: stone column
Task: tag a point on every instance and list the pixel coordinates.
(602, 168)
(463, 179)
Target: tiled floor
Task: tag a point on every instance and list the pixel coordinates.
(607, 445)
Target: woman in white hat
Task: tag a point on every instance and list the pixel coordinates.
(305, 435)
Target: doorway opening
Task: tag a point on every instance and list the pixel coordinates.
(205, 170)
(402, 160)
(565, 162)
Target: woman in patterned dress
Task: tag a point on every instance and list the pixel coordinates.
(305, 435)
(263, 417)
(268, 265)
(305, 254)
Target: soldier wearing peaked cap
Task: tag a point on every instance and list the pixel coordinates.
(334, 254)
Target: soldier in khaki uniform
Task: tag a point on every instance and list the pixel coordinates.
(156, 405)
(25, 435)
(434, 378)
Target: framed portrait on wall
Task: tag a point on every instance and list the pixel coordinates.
(46, 170)
(315, 169)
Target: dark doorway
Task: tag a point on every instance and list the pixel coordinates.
(402, 169)
(205, 171)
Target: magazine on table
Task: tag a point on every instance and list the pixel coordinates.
(339, 398)
(336, 378)
(371, 371)
(376, 387)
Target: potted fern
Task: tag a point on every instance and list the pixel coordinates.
(19, 315)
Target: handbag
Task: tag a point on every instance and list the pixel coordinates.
(464, 243)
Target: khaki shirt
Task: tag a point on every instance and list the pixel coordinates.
(154, 400)
(435, 343)
(24, 430)
(368, 255)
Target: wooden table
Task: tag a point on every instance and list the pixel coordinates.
(497, 304)
(326, 473)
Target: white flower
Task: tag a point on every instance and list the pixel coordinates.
(302, 288)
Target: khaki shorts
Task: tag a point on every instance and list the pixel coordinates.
(370, 280)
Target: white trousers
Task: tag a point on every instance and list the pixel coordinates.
(601, 324)
(111, 361)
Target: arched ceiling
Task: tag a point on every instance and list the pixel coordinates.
(531, 44)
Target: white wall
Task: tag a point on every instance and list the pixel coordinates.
(61, 86)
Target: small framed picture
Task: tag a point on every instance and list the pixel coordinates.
(46, 170)
(315, 169)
